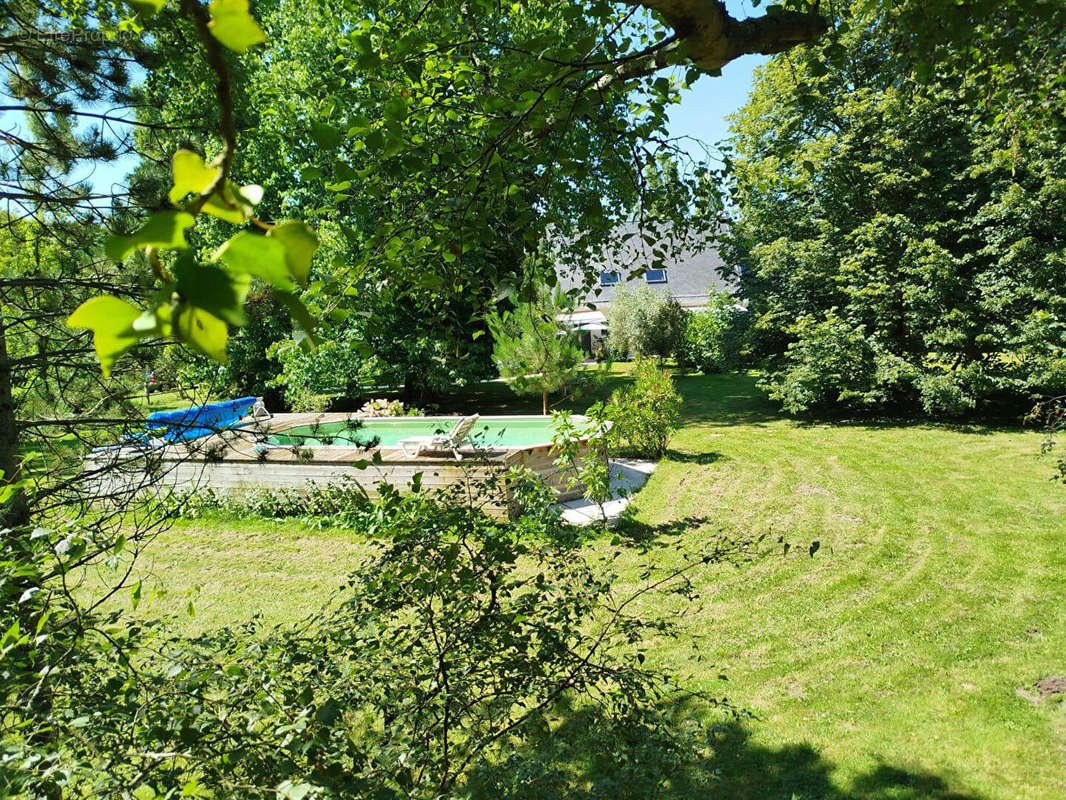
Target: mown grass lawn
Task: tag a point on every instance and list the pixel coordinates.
(896, 591)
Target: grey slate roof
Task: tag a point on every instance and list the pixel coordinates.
(690, 271)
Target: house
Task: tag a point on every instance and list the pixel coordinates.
(688, 272)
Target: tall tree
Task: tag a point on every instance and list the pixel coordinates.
(429, 179)
(899, 243)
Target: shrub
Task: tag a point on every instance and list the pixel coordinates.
(532, 502)
(461, 659)
(311, 403)
(644, 322)
(830, 363)
(338, 503)
(442, 670)
(712, 336)
(334, 368)
(1050, 414)
(703, 348)
(645, 413)
(951, 394)
(585, 466)
(380, 407)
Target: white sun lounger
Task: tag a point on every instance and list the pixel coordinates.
(416, 445)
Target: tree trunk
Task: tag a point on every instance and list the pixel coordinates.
(710, 38)
(16, 516)
(414, 389)
(544, 402)
(16, 513)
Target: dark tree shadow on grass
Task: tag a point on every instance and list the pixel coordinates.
(675, 758)
(716, 546)
(633, 531)
(683, 457)
(878, 423)
(727, 399)
(746, 770)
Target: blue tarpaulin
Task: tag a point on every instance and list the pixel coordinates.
(192, 423)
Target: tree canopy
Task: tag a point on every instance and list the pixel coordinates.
(899, 243)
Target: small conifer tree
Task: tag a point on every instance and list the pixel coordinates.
(533, 348)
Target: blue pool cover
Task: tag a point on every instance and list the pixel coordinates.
(192, 423)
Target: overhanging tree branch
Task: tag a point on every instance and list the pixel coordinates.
(710, 38)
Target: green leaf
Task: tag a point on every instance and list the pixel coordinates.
(368, 61)
(261, 256)
(203, 331)
(164, 229)
(300, 244)
(10, 635)
(363, 45)
(27, 595)
(374, 140)
(292, 791)
(193, 789)
(216, 208)
(135, 598)
(413, 70)
(232, 25)
(327, 713)
(191, 175)
(215, 290)
(147, 8)
(817, 68)
(234, 204)
(326, 136)
(251, 194)
(300, 315)
(111, 321)
(395, 108)
(154, 322)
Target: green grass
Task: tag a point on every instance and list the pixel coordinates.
(936, 592)
(887, 664)
(164, 401)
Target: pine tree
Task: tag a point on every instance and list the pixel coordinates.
(532, 348)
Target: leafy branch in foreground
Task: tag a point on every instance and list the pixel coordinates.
(465, 658)
(1050, 414)
(193, 302)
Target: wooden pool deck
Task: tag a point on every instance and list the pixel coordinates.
(237, 460)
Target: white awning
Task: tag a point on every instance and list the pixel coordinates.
(584, 321)
(581, 320)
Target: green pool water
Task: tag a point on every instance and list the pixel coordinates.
(489, 432)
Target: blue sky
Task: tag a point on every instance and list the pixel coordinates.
(704, 108)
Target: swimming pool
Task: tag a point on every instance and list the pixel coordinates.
(489, 432)
(326, 454)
